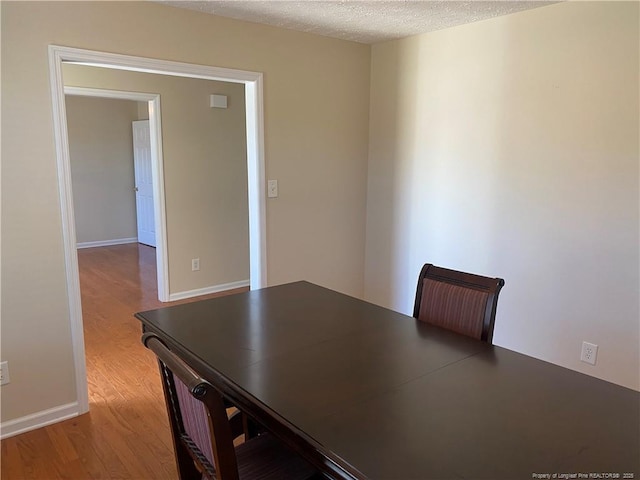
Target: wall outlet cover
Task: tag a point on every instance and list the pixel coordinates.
(589, 353)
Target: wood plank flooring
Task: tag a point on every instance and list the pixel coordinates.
(126, 433)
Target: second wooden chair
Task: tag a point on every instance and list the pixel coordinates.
(462, 302)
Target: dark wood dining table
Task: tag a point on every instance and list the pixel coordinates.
(368, 393)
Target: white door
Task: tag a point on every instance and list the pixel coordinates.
(144, 183)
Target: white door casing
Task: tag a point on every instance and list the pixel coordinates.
(253, 82)
(143, 183)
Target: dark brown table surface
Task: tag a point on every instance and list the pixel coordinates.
(366, 392)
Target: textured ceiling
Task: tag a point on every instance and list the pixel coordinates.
(360, 20)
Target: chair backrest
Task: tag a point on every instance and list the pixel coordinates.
(197, 413)
(462, 302)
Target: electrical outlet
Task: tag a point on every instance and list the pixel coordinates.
(589, 353)
(195, 264)
(4, 373)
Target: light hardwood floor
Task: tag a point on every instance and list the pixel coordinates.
(126, 434)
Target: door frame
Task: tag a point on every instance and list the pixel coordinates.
(157, 171)
(252, 81)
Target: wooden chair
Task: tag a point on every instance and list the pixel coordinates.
(203, 433)
(462, 302)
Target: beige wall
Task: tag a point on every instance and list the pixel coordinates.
(143, 108)
(316, 125)
(205, 164)
(101, 153)
(509, 148)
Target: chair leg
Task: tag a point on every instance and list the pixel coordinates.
(251, 428)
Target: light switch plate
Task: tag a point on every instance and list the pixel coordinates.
(4, 373)
(272, 188)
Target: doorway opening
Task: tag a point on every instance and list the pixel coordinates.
(255, 175)
(148, 174)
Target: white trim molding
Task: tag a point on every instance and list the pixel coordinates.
(255, 167)
(107, 243)
(38, 420)
(256, 183)
(114, 94)
(223, 287)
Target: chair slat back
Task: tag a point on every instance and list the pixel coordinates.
(199, 414)
(462, 302)
(195, 419)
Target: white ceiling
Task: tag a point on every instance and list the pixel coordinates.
(361, 21)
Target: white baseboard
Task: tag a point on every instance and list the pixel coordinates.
(38, 420)
(107, 243)
(207, 290)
